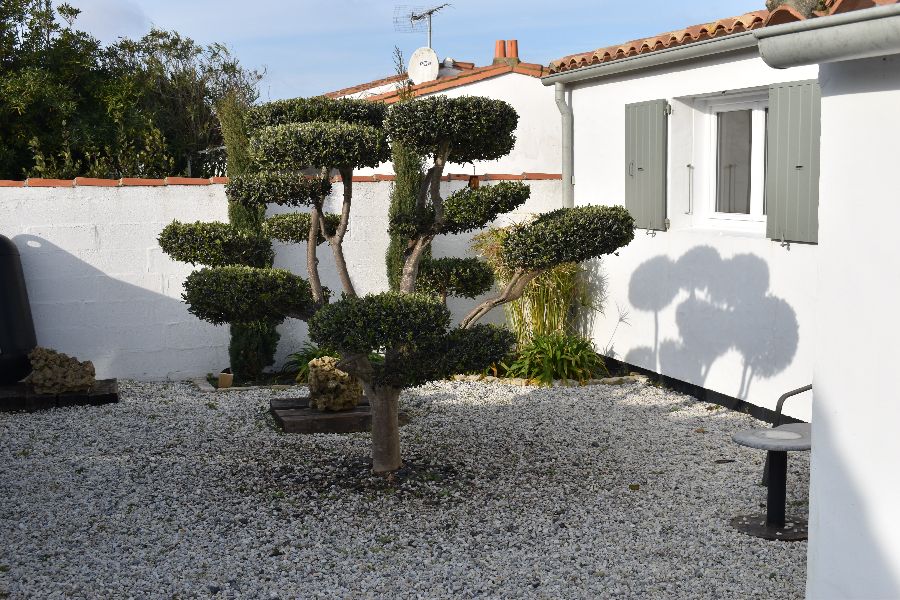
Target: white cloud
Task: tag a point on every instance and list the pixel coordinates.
(109, 20)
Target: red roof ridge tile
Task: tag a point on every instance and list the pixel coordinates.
(687, 35)
(722, 27)
(465, 78)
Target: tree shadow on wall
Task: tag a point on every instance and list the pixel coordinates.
(125, 328)
(728, 307)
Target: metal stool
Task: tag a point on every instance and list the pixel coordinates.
(778, 441)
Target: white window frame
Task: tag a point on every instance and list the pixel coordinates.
(706, 158)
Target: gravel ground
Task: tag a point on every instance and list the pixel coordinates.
(596, 492)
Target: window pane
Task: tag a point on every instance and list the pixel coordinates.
(733, 170)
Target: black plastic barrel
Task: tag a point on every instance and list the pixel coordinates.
(17, 336)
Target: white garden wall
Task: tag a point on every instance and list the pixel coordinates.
(101, 289)
(709, 303)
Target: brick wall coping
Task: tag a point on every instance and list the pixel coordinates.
(137, 182)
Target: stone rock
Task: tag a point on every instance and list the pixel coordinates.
(330, 388)
(613, 380)
(57, 373)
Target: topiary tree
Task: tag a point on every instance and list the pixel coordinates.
(296, 145)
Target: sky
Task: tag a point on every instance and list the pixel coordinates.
(309, 47)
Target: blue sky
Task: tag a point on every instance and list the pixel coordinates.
(313, 46)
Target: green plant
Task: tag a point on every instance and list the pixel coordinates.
(252, 346)
(297, 363)
(410, 330)
(553, 302)
(557, 356)
(461, 277)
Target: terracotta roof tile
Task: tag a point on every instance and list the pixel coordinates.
(696, 33)
(476, 74)
(462, 66)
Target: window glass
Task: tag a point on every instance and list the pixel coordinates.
(734, 149)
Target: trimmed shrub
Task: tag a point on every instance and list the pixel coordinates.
(379, 321)
(252, 349)
(475, 349)
(567, 235)
(462, 277)
(476, 128)
(318, 108)
(557, 356)
(293, 228)
(470, 209)
(239, 294)
(287, 189)
(215, 245)
(296, 146)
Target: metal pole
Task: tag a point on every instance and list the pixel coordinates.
(777, 496)
(429, 30)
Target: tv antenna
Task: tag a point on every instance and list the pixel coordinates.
(413, 19)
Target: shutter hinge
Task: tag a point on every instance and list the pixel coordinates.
(668, 224)
(669, 109)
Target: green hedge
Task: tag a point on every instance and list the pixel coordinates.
(238, 294)
(215, 245)
(293, 228)
(567, 235)
(470, 209)
(462, 277)
(296, 146)
(318, 108)
(287, 189)
(376, 322)
(477, 128)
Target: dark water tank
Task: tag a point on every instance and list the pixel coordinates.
(17, 337)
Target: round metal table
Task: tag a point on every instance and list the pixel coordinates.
(778, 441)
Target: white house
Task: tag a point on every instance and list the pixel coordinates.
(758, 156)
(694, 133)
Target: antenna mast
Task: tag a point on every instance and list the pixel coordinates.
(412, 20)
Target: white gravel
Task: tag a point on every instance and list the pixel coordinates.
(510, 493)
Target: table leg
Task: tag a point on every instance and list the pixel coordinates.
(777, 489)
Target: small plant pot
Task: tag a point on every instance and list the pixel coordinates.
(226, 379)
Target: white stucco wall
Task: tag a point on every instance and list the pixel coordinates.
(854, 544)
(706, 303)
(101, 289)
(537, 148)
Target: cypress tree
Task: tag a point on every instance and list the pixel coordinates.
(252, 346)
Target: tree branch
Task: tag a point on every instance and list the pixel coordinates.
(513, 291)
(336, 241)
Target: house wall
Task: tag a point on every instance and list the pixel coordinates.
(854, 544)
(101, 288)
(716, 305)
(537, 148)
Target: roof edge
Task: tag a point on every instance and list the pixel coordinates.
(731, 43)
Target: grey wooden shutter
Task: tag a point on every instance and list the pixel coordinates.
(792, 162)
(646, 142)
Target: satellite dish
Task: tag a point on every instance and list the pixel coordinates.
(423, 65)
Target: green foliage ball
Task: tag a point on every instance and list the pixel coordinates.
(476, 128)
(239, 294)
(293, 228)
(296, 146)
(215, 245)
(470, 209)
(567, 235)
(379, 321)
(462, 277)
(286, 189)
(318, 108)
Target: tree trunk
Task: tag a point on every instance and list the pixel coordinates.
(385, 403)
